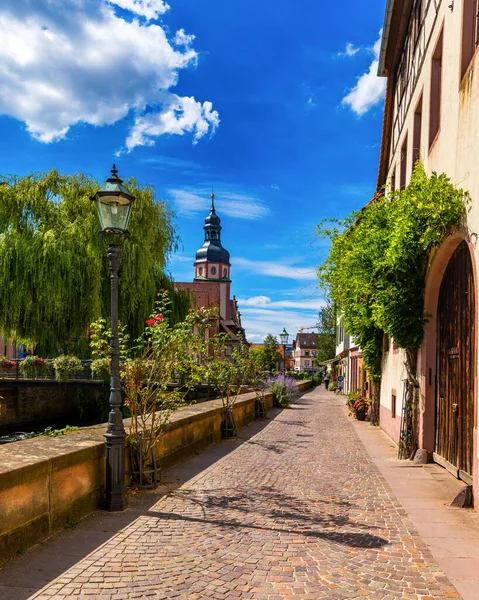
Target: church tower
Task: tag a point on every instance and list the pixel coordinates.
(212, 262)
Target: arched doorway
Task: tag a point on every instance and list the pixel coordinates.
(456, 365)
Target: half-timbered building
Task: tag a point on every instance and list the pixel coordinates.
(430, 58)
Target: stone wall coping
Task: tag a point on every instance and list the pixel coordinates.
(25, 460)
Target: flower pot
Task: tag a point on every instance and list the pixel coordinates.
(228, 425)
(360, 416)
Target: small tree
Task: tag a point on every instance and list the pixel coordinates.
(227, 373)
(268, 355)
(326, 332)
(256, 377)
(163, 350)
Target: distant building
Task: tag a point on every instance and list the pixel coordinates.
(305, 352)
(211, 286)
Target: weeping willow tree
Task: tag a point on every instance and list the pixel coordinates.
(54, 278)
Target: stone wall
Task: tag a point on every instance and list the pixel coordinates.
(27, 405)
(49, 482)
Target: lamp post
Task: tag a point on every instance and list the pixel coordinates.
(284, 340)
(113, 204)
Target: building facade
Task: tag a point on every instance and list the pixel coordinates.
(211, 286)
(305, 351)
(430, 58)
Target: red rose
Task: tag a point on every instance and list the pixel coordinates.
(150, 322)
(159, 318)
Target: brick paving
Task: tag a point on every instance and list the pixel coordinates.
(297, 511)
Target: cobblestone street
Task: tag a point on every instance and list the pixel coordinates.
(299, 510)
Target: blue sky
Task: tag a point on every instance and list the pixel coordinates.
(274, 105)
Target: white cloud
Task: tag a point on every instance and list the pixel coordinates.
(256, 301)
(275, 187)
(350, 50)
(183, 39)
(264, 302)
(189, 202)
(150, 9)
(275, 269)
(77, 61)
(179, 116)
(259, 323)
(370, 88)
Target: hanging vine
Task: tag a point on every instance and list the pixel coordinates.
(54, 278)
(376, 268)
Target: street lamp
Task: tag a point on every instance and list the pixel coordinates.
(284, 340)
(113, 204)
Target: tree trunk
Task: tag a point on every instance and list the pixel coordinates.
(408, 443)
(375, 402)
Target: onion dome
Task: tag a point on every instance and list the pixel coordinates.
(212, 250)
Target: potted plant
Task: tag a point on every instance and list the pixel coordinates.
(358, 405)
(100, 369)
(6, 363)
(34, 366)
(66, 367)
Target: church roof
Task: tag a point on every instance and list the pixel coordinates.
(212, 249)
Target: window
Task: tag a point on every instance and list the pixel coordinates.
(213, 270)
(470, 33)
(386, 343)
(306, 363)
(225, 273)
(393, 405)
(416, 150)
(436, 91)
(417, 21)
(306, 352)
(229, 350)
(200, 271)
(393, 181)
(403, 163)
(313, 353)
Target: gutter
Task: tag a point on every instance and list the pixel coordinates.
(382, 71)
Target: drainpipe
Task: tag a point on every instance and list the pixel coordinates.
(385, 38)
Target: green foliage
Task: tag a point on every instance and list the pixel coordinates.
(268, 355)
(66, 367)
(34, 366)
(164, 350)
(54, 278)
(326, 332)
(50, 432)
(375, 270)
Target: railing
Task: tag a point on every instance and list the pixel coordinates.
(14, 373)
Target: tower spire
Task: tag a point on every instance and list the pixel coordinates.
(212, 202)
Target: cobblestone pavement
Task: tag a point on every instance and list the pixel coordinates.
(299, 510)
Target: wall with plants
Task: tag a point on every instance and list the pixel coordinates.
(376, 268)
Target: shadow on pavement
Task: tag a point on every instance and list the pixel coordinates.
(48, 560)
(326, 518)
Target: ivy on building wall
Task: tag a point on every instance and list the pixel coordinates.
(376, 267)
(54, 278)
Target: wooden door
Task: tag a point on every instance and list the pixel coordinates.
(456, 366)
